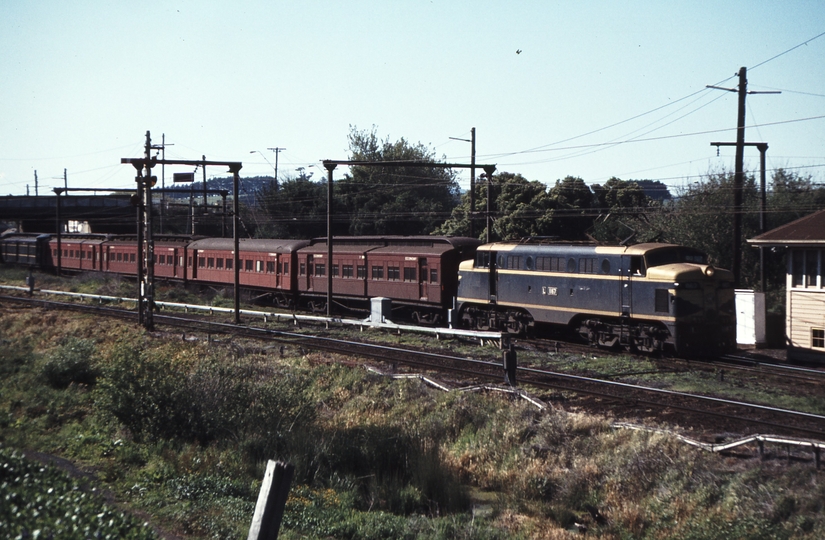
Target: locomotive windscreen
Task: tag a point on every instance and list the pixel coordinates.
(674, 255)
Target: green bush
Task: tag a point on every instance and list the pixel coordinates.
(72, 362)
(219, 399)
(42, 502)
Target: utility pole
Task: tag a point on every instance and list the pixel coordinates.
(162, 148)
(739, 173)
(763, 200)
(35, 183)
(472, 142)
(277, 151)
(65, 180)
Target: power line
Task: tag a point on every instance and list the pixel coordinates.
(786, 52)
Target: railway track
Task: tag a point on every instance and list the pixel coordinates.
(621, 397)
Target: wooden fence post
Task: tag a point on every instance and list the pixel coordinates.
(271, 501)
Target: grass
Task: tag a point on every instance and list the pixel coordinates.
(181, 431)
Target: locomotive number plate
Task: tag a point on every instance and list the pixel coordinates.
(550, 291)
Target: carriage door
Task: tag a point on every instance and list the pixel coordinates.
(633, 266)
(493, 281)
(310, 270)
(422, 278)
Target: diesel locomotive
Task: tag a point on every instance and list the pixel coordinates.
(646, 297)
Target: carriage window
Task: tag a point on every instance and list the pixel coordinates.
(528, 263)
(119, 257)
(131, 257)
(201, 263)
(335, 270)
(229, 264)
(249, 265)
(433, 275)
(320, 269)
(571, 265)
(393, 273)
(302, 269)
(161, 259)
(219, 263)
(347, 271)
(605, 266)
(377, 272)
(286, 268)
(210, 262)
(513, 262)
(409, 274)
(270, 267)
(361, 272)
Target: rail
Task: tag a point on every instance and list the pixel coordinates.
(484, 337)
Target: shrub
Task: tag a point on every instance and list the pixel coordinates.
(72, 362)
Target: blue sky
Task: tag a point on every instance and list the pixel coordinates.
(599, 89)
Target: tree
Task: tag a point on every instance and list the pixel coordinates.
(621, 204)
(406, 200)
(520, 208)
(298, 209)
(572, 200)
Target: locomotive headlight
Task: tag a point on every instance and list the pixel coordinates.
(709, 271)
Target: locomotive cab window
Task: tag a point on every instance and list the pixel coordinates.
(483, 259)
(637, 266)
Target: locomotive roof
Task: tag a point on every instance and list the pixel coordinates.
(250, 244)
(637, 249)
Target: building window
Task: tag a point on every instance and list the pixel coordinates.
(377, 272)
(811, 267)
(798, 265)
(818, 338)
(393, 273)
(409, 274)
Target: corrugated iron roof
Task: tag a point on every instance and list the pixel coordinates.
(809, 230)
